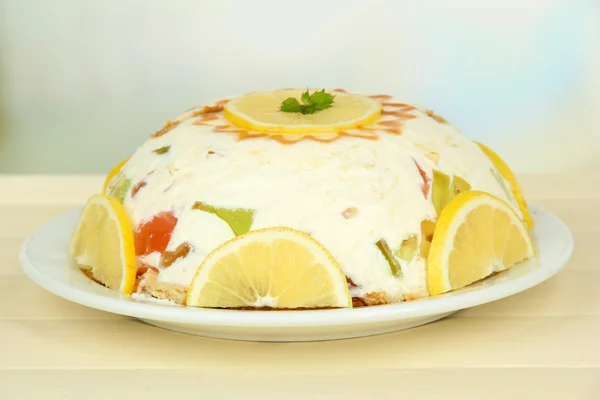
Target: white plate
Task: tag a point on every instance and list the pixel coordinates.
(44, 258)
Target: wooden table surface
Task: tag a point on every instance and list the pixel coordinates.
(541, 344)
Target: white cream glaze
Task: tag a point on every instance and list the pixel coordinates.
(306, 185)
(191, 228)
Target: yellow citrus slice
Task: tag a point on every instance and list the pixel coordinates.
(271, 267)
(476, 235)
(512, 180)
(260, 112)
(117, 168)
(103, 243)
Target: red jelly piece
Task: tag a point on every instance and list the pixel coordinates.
(154, 235)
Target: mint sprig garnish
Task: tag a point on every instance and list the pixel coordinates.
(309, 103)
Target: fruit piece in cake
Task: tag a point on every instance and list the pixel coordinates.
(162, 150)
(427, 231)
(445, 187)
(239, 219)
(154, 235)
(114, 172)
(408, 248)
(272, 267)
(411, 246)
(459, 185)
(389, 257)
(120, 188)
(441, 190)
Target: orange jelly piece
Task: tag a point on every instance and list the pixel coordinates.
(155, 234)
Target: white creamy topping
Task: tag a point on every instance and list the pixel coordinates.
(205, 232)
(307, 186)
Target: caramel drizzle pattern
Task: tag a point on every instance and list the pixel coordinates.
(381, 97)
(209, 110)
(282, 139)
(436, 117)
(426, 180)
(202, 119)
(137, 188)
(208, 113)
(168, 126)
(398, 112)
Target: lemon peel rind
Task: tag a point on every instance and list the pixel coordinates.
(114, 172)
(507, 174)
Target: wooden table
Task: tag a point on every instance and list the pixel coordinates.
(541, 344)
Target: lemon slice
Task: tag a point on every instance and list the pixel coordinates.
(271, 267)
(476, 235)
(116, 169)
(512, 180)
(103, 244)
(260, 112)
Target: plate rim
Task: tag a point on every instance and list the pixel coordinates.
(305, 318)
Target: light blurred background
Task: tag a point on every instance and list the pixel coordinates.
(83, 83)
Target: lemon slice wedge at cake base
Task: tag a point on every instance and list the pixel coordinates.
(102, 243)
(272, 267)
(507, 174)
(476, 235)
(260, 112)
(114, 172)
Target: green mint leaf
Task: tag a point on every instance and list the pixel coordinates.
(319, 100)
(321, 106)
(305, 97)
(162, 150)
(291, 105)
(309, 109)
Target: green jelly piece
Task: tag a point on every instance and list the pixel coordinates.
(408, 249)
(445, 187)
(459, 185)
(440, 195)
(390, 258)
(120, 188)
(162, 150)
(239, 220)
